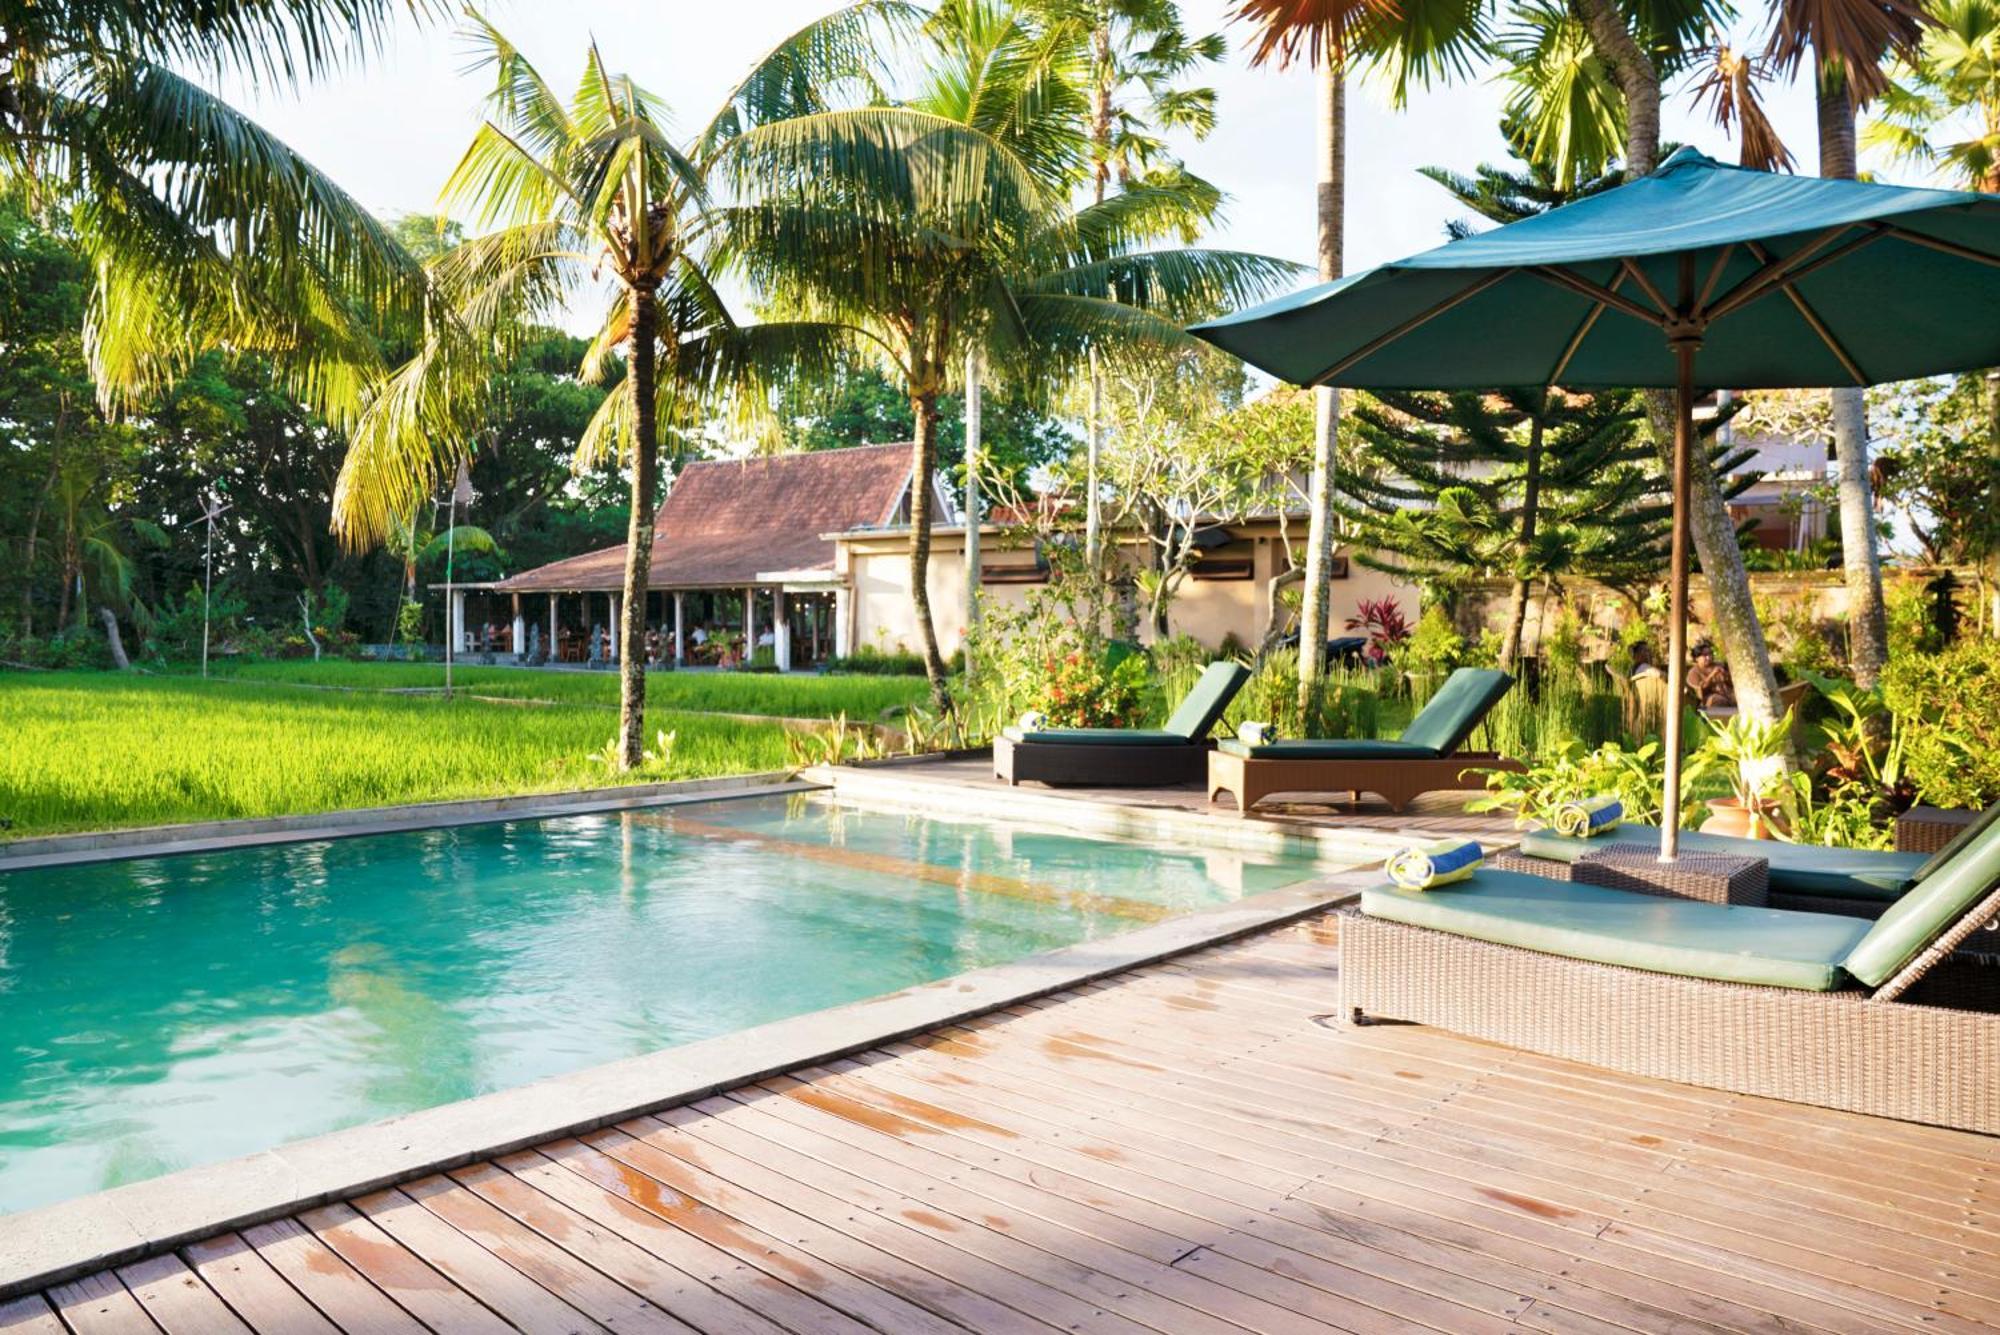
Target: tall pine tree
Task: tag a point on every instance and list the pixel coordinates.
(1533, 485)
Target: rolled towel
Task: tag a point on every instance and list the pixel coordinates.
(1427, 866)
(1597, 815)
(1033, 721)
(1256, 734)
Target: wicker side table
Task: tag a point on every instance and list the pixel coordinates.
(1548, 868)
(1927, 829)
(1718, 878)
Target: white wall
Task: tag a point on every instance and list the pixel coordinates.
(1209, 610)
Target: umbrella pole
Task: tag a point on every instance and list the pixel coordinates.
(1677, 596)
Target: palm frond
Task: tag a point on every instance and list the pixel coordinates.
(1731, 86)
(807, 72)
(1316, 31)
(1849, 39)
(1565, 105)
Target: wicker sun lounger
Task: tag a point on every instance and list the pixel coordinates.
(1424, 759)
(1125, 757)
(1857, 881)
(1896, 1018)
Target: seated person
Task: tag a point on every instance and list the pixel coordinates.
(1642, 662)
(1709, 680)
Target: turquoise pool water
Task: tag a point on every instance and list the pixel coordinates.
(160, 1013)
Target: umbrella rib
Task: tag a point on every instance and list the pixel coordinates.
(1646, 284)
(1583, 329)
(1381, 341)
(1715, 275)
(1602, 295)
(1795, 271)
(1812, 319)
(1948, 247)
(1773, 270)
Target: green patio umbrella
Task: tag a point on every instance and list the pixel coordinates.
(1699, 275)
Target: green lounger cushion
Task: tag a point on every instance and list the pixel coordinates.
(1926, 911)
(1098, 737)
(1326, 749)
(1864, 875)
(1457, 708)
(1959, 841)
(1685, 937)
(1202, 707)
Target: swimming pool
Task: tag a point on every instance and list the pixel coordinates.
(158, 1013)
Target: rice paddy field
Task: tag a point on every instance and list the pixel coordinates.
(92, 750)
(859, 697)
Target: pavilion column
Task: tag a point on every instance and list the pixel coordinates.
(611, 646)
(520, 631)
(842, 647)
(749, 624)
(554, 656)
(680, 629)
(457, 620)
(781, 631)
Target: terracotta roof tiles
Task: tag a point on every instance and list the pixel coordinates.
(726, 521)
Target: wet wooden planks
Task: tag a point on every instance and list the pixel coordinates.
(1184, 1148)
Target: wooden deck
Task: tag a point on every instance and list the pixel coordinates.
(1434, 814)
(1185, 1148)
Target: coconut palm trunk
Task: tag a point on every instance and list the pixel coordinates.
(923, 467)
(1332, 205)
(1734, 613)
(1861, 558)
(639, 536)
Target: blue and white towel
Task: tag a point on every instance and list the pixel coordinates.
(1427, 866)
(1256, 734)
(1033, 721)
(1597, 815)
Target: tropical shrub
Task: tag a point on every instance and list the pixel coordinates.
(1582, 708)
(1562, 648)
(1573, 773)
(1348, 706)
(1435, 647)
(1947, 710)
(1084, 690)
(173, 634)
(1847, 815)
(1383, 622)
(871, 661)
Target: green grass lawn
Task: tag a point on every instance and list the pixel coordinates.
(860, 697)
(88, 750)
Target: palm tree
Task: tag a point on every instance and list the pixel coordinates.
(574, 191)
(1134, 55)
(202, 228)
(939, 222)
(1942, 109)
(1847, 42)
(416, 543)
(1414, 49)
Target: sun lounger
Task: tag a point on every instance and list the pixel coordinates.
(1125, 757)
(1896, 1018)
(1424, 759)
(1856, 881)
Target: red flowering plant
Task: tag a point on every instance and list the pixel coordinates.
(1080, 689)
(1383, 621)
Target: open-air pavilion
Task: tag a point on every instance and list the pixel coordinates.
(741, 548)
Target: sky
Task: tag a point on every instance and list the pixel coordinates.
(390, 130)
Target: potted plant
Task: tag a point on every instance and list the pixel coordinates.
(1752, 754)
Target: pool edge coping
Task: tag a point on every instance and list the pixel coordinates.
(55, 1243)
(138, 841)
